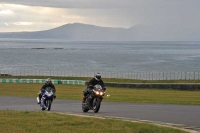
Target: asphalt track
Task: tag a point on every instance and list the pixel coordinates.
(186, 115)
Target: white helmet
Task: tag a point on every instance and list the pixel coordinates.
(48, 81)
(97, 76)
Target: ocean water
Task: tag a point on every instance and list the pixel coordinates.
(50, 55)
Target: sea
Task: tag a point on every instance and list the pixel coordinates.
(94, 56)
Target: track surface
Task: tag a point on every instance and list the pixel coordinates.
(187, 115)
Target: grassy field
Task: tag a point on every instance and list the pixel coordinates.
(74, 92)
(40, 122)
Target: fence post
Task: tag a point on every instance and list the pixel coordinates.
(146, 76)
(181, 75)
(149, 76)
(163, 76)
(157, 76)
(131, 75)
(185, 75)
(189, 75)
(136, 76)
(177, 75)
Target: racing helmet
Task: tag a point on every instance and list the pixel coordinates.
(48, 81)
(97, 76)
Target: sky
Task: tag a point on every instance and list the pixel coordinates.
(36, 15)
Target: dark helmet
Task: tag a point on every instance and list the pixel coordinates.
(97, 76)
(48, 81)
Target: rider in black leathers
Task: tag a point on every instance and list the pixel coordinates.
(48, 83)
(94, 81)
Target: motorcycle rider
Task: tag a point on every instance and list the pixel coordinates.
(94, 81)
(48, 83)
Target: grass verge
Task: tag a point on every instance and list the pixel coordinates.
(40, 122)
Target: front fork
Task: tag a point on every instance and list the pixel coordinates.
(92, 101)
(95, 100)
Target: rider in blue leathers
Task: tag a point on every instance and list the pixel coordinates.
(48, 83)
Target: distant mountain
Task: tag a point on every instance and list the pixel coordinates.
(76, 31)
(85, 32)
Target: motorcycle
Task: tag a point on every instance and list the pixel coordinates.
(93, 99)
(47, 99)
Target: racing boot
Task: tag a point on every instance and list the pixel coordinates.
(43, 106)
(39, 98)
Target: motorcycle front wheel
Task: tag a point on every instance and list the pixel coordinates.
(48, 104)
(96, 105)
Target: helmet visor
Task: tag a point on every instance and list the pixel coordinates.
(98, 76)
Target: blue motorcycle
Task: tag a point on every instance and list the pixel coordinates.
(47, 99)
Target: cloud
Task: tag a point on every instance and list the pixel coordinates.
(6, 24)
(109, 13)
(23, 23)
(73, 3)
(6, 12)
(36, 18)
(128, 4)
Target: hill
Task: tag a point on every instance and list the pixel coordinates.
(85, 32)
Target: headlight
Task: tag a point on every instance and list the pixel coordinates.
(49, 94)
(97, 92)
(101, 93)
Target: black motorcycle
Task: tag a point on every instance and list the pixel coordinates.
(93, 99)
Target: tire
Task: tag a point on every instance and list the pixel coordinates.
(96, 104)
(48, 104)
(84, 108)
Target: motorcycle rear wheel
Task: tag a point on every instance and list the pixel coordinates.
(84, 108)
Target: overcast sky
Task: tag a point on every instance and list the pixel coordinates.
(35, 15)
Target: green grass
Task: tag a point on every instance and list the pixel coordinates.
(40, 122)
(74, 92)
